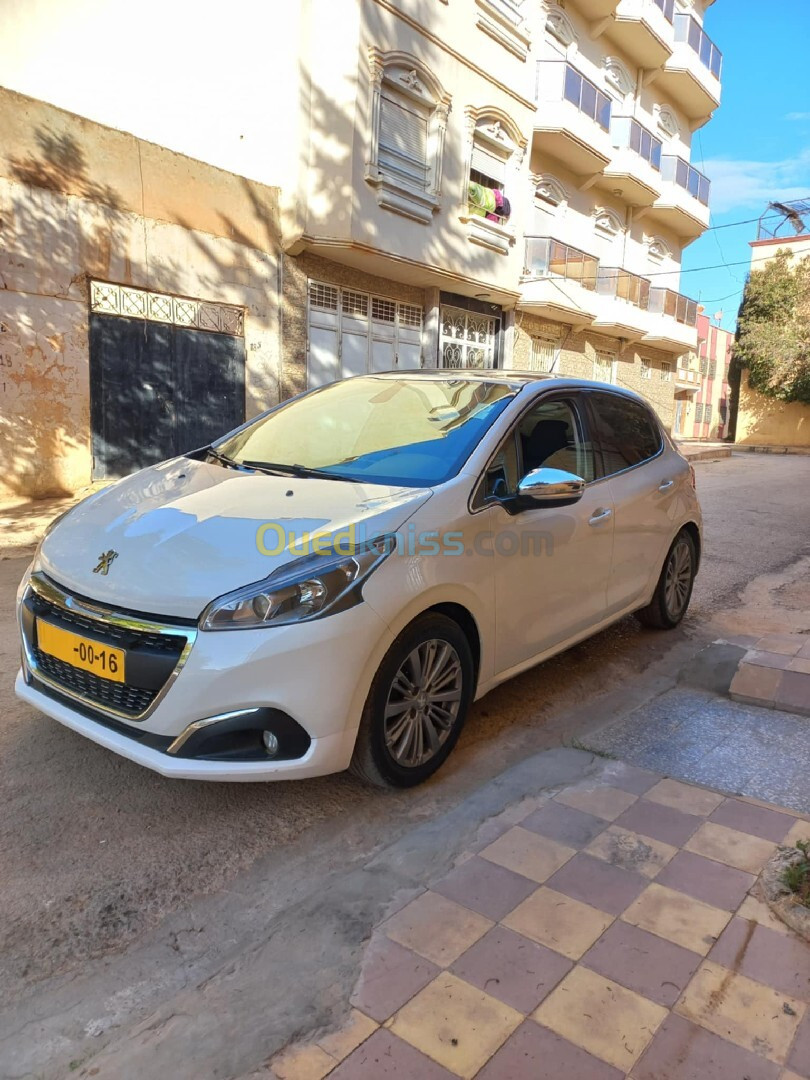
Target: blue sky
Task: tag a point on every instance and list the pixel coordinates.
(757, 146)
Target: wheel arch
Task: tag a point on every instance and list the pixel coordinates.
(465, 620)
(694, 532)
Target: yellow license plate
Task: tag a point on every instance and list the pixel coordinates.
(81, 652)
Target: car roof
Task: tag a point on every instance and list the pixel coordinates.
(515, 379)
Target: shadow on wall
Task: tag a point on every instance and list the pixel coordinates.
(62, 228)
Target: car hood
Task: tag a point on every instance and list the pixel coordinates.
(187, 531)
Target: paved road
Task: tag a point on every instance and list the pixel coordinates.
(95, 850)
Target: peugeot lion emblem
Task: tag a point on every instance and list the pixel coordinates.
(105, 561)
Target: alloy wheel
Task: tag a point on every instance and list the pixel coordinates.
(423, 703)
(678, 579)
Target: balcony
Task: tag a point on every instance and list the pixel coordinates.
(572, 122)
(683, 205)
(559, 282)
(622, 300)
(635, 170)
(594, 10)
(691, 76)
(643, 31)
(687, 379)
(673, 321)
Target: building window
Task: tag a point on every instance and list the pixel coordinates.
(587, 97)
(667, 7)
(604, 367)
(713, 369)
(408, 122)
(666, 371)
(496, 150)
(707, 413)
(544, 354)
(699, 413)
(704, 366)
(646, 369)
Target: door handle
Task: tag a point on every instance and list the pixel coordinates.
(601, 515)
(666, 485)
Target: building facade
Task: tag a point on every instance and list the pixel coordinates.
(702, 389)
(451, 183)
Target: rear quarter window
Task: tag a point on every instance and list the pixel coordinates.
(625, 431)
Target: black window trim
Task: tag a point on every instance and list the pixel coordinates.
(597, 446)
(582, 418)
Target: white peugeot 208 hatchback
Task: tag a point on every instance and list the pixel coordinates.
(332, 584)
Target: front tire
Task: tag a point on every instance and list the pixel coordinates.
(674, 589)
(417, 704)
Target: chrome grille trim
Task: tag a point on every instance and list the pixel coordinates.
(49, 591)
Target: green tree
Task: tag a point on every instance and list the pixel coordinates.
(773, 329)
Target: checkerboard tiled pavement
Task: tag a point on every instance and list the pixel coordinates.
(609, 933)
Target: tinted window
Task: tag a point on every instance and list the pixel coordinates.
(625, 432)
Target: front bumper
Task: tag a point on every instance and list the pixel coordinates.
(325, 755)
(317, 673)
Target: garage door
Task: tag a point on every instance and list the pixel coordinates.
(353, 333)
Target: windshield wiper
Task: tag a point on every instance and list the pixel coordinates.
(300, 471)
(223, 459)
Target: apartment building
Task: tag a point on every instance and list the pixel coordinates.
(451, 183)
(620, 88)
(702, 389)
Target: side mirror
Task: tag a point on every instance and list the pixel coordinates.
(549, 487)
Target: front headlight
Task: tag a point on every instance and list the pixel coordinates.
(308, 588)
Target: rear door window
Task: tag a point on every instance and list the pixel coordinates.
(625, 432)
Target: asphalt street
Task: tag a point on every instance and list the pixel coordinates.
(97, 852)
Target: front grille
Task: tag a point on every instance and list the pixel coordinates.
(151, 657)
(120, 696)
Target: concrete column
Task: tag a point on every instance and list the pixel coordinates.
(430, 333)
(508, 358)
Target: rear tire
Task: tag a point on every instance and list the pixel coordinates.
(417, 704)
(674, 589)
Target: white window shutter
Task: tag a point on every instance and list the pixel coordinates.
(484, 161)
(403, 141)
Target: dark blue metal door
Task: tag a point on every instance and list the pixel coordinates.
(158, 390)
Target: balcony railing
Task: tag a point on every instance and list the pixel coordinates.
(545, 257)
(613, 281)
(686, 176)
(667, 7)
(673, 304)
(688, 29)
(629, 133)
(586, 97)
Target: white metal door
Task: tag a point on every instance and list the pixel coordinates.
(352, 333)
(467, 339)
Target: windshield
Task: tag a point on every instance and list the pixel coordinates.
(409, 432)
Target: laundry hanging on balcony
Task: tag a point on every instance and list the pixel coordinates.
(487, 202)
